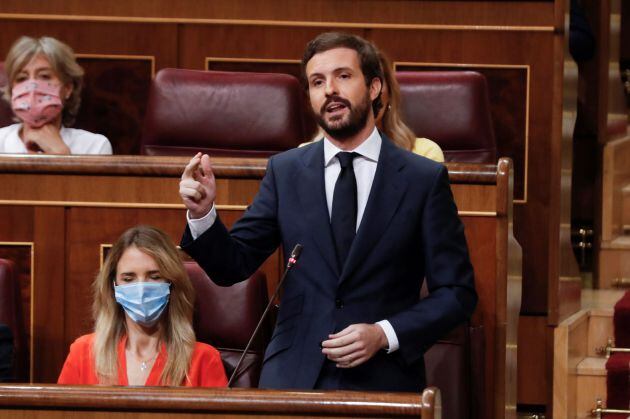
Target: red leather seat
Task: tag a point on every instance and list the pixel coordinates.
(11, 315)
(451, 108)
(223, 113)
(225, 317)
(455, 365)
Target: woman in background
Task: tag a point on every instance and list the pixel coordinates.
(143, 335)
(44, 90)
(389, 122)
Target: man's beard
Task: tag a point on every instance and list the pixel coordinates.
(355, 122)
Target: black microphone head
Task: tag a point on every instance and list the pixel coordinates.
(295, 253)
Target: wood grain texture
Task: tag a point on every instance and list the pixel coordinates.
(217, 402)
(535, 13)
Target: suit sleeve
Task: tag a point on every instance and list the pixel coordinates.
(449, 274)
(230, 257)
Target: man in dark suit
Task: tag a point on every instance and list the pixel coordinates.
(6, 353)
(374, 221)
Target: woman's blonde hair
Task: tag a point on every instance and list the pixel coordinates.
(176, 321)
(63, 62)
(391, 123)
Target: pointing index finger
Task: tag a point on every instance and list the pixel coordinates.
(191, 167)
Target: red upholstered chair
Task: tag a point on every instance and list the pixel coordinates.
(226, 317)
(6, 114)
(452, 109)
(11, 315)
(455, 365)
(223, 113)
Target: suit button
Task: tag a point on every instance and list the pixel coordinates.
(338, 303)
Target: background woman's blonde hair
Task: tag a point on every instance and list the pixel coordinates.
(176, 321)
(62, 60)
(392, 124)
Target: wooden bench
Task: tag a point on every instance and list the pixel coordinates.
(52, 401)
(613, 264)
(58, 214)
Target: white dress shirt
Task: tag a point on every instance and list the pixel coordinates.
(364, 170)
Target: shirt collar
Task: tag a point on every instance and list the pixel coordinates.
(369, 149)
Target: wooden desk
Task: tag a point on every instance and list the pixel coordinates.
(153, 402)
(58, 213)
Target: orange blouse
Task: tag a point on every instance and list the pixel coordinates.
(206, 368)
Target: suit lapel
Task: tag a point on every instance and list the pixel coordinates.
(388, 188)
(312, 195)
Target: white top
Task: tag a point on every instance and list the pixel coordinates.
(79, 141)
(364, 170)
(364, 167)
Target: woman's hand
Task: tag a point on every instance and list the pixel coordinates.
(45, 139)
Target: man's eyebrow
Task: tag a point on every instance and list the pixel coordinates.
(340, 69)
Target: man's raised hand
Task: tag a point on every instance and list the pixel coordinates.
(197, 186)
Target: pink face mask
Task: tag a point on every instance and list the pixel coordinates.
(36, 102)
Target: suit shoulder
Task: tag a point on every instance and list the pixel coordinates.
(420, 165)
(293, 155)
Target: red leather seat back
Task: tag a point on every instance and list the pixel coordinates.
(6, 114)
(451, 108)
(11, 315)
(223, 113)
(225, 317)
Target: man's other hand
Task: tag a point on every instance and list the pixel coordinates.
(354, 345)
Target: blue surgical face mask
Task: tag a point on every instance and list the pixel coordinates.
(143, 302)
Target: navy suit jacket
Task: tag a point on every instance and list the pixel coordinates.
(410, 231)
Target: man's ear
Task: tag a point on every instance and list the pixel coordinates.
(375, 88)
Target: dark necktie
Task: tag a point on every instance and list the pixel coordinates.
(343, 219)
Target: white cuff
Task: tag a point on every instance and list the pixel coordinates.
(390, 334)
(198, 226)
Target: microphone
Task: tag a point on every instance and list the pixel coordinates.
(293, 258)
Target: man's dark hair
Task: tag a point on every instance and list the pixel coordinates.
(368, 57)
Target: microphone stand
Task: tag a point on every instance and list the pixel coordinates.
(295, 254)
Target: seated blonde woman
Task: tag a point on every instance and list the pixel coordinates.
(143, 335)
(44, 90)
(389, 122)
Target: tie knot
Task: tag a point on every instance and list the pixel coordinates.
(345, 158)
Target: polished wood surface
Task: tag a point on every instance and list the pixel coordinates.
(31, 401)
(613, 246)
(579, 370)
(75, 205)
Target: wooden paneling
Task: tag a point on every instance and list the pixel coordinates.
(251, 42)
(51, 257)
(533, 381)
(512, 13)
